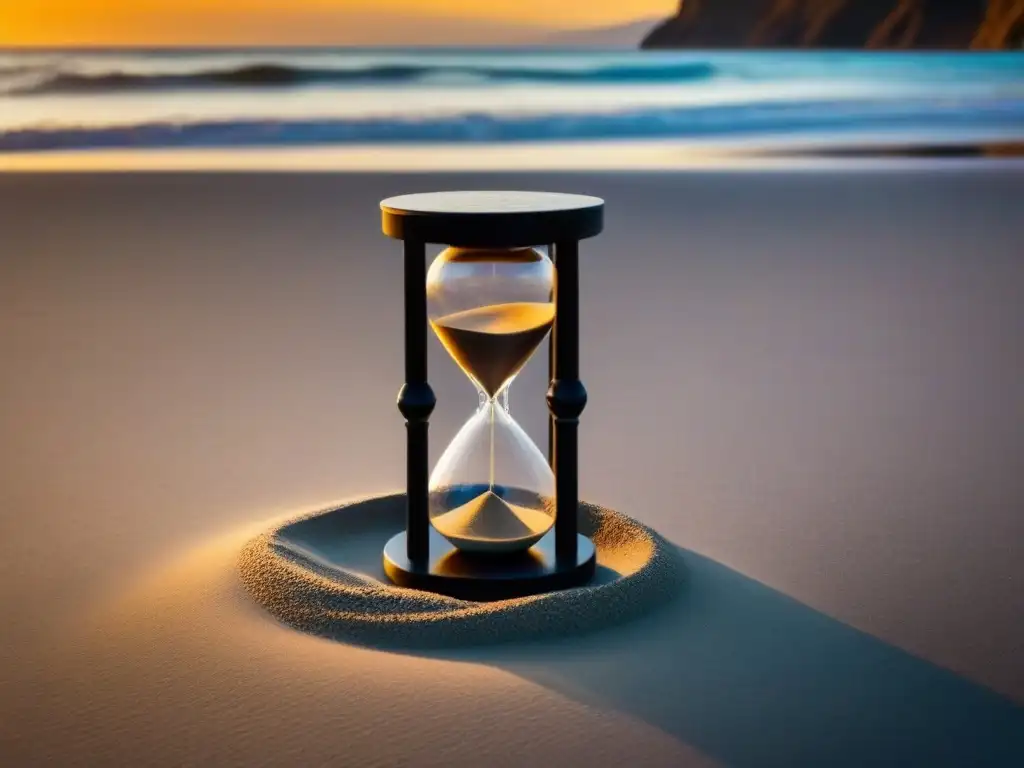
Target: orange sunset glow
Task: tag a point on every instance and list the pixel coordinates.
(343, 22)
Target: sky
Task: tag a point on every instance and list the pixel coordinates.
(295, 22)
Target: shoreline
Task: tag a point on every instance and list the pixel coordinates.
(541, 158)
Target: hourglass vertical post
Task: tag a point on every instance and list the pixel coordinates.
(416, 401)
(566, 398)
(551, 372)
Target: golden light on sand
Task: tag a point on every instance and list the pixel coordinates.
(653, 157)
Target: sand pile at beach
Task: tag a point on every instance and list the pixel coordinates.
(307, 575)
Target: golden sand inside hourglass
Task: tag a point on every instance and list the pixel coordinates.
(491, 344)
(489, 523)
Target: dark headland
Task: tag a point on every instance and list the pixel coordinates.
(843, 24)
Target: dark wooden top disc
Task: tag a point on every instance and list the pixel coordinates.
(492, 219)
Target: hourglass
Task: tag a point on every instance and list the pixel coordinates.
(495, 518)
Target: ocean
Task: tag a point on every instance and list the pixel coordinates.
(274, 99)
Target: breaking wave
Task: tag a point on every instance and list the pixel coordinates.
(790, 119)
(273, 75)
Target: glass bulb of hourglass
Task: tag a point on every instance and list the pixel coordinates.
(492, 489)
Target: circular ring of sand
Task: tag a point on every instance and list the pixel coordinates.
(317, 574)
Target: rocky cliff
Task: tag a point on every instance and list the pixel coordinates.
(880, 24)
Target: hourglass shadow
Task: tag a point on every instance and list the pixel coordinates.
(735, 669)
(754, 678)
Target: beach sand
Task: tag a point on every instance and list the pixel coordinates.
(810, 381)
(318, 574)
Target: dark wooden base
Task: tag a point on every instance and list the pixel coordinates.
(489, 577)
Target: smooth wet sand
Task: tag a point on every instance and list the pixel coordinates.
(814, 381)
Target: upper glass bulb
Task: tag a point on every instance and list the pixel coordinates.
(491, 308)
